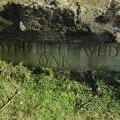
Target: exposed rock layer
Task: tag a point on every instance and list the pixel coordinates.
(101, 18)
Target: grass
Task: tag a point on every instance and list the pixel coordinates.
(40, 95)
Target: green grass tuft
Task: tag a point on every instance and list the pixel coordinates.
(28, 96)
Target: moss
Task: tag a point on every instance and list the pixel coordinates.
(1, 8)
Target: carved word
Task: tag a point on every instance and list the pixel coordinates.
(69, 49)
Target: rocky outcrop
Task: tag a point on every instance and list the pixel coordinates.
(98, 17)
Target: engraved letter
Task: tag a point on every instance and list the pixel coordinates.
(43, 60)
(113, 51)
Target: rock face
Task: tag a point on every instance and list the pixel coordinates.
(96, 16)
(64, 15)
(48, 19)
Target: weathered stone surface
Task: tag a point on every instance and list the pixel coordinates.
(60, 51)
(96, 16)
(76, 34)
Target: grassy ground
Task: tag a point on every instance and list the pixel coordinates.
(39, 95)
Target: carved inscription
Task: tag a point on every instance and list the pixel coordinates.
(54, 61)
(60, 49)
(61, 54)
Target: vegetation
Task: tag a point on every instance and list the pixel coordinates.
(38, 94)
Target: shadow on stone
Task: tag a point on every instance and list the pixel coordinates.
(11, 12)
(102, 19)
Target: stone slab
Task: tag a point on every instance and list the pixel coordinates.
(50, 51)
